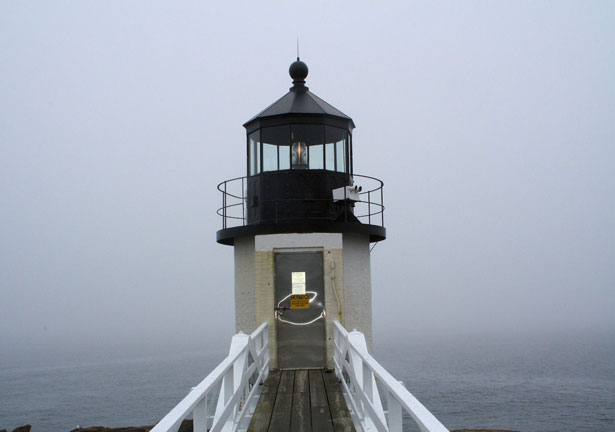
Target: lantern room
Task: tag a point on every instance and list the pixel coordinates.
(299, 173)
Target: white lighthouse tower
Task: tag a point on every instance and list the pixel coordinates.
(301, 223)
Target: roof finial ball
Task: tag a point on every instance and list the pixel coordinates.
(298, 72)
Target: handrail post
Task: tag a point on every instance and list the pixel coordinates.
(243, 205)
(369, 207)
(381, 205)
(199, 416)
(345, 206)
(224, 206)
(367, 382)
(394, 417)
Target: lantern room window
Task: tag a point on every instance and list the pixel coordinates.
(254, 149)
(317, 156)
(298, 147)
(337, 145)
(270, 157)
(284, 157)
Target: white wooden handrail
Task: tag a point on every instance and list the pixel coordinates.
(233, 386)
(358, 372)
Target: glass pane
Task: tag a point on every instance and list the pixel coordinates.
(330, 156)
(339, 137)
(284, 157)
(254, 149)
(316, 156)
(340, 146)
(270, 157)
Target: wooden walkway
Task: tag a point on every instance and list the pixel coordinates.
(301, 401)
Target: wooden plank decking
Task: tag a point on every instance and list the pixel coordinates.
(301, 401)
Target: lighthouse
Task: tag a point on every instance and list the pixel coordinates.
(301, 223)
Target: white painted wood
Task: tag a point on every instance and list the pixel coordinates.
(200, 416)
(358, 376)
(394, 415)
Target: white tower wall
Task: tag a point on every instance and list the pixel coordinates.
(358, 285)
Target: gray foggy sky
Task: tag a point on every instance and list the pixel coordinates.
(492, 125)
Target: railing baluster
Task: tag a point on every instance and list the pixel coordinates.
(369, 207)
(224, 206)
(243, 203)
(381, 205)
(367, 383)
(199, 416)
(394, 417)
(228, 383)
(223, 211)
(345, 206)
(257, 347)
(368, 391)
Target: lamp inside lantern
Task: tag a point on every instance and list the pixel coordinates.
(299, 155)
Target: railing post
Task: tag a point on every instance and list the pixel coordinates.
(367, 382)
(199, 416)
(369, 207)
(266, 344)
(258, 344)
(356, 341)
(345, 206)
(243, 205)
(394, 417)
(228, 384)
(224, 207)
(381, 206)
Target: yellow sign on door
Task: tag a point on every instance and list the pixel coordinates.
(300, 301)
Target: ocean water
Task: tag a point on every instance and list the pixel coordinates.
(537, 383)
(527, 383)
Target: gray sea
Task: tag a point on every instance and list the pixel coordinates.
(528, 383)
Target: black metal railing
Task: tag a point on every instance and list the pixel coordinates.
(369, 209)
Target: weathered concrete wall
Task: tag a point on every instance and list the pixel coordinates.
(334, 296)
(264, 302)
(245, 313)
(357, 285)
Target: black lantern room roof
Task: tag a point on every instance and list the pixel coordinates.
(299, 101)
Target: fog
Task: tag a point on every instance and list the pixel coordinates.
(491, 124)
